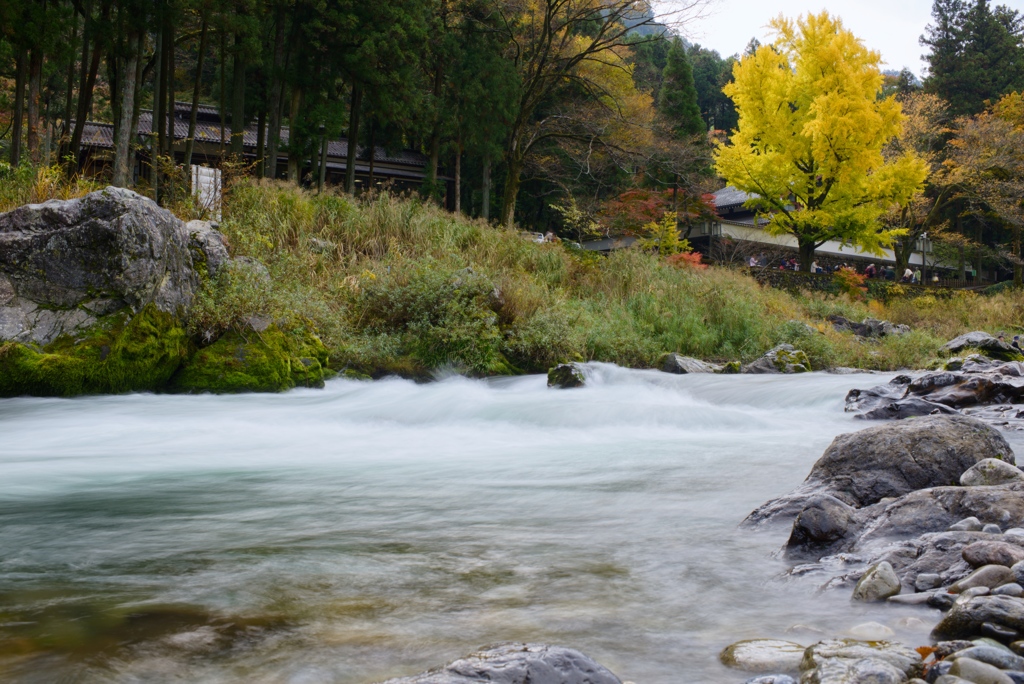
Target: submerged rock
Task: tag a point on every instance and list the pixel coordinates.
(566, 376)
(846, 661)
(763, 655)
(517, 663)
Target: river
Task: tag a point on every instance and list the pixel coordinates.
(371, 530)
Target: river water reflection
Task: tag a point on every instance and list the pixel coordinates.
(377, 529)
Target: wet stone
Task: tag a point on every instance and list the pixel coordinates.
(878, 583)
(987, 552)
(992, 528)
(978, 672)
(772, 679)
(1012, 589)
(927, 580)
(763, 655)
(990, 576)
(970, 524)
(996, 657)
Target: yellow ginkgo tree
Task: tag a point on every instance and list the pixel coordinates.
(812, 125)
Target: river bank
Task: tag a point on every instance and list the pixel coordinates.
(312, 285)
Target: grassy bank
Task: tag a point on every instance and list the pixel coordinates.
(395, 285)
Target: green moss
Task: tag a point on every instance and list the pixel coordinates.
(730, 368)
(119, 354)
(270, 361)
(792, 361)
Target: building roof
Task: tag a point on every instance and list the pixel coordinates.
(730, 196)
(208, 130)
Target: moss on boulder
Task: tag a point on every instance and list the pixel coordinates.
(273, 360)
(120, 353)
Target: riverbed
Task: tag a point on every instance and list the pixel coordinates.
(376, 529)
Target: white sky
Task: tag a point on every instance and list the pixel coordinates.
(891, 27)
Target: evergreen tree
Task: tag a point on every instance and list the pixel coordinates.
(677, 101)
(711, 73)
(977, 53)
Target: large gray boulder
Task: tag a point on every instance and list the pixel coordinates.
(683, 365)
(1001, 617)
(891, 460)
(847, 661)
(517, 663)
(978, 339)
(65, 264)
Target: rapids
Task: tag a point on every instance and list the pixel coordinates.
(372, 530)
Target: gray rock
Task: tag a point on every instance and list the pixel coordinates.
(110, 250)
(983, 341)
(950, 679)
(763, 655)
(207, 245)
(926, 581)
(969, 524)
(846, 661)
(988, 576)
(772, 679)
(978, 672)
(918, 599)
(992, 553)
(991, 471)
(566, 376)
(890, 460)
(878, 583)
(997, 657)
(968, 619)
(517, 664)
(824, 521)
(1011, 589)
(783, 358)
(991, 528)
(1018, 573)
(681, 365)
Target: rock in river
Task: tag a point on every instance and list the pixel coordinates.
(878, 583)
(991, 552)
(566, 376)
(763, 655)
(517, 663)
(846, 661)
(976, 617)
(891, 460)
(781, 359)
(982, 340)
(682, 365)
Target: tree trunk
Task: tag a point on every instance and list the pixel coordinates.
(69, 93)
(512, 181)
(223, 87)
(35, 78)
(238, 100)
(353, 137)
(294, 153)
(19, 108)
(171, 100)
(190, 139)
(133, 134)
(157, 115)
(87, 83)
(458, 177)
(261, 141)
(372, 157)
(1018, 270)
(122, 149)
(485, 189)
(902, 251)
(276, 91)
(807, 248)
(322, 177)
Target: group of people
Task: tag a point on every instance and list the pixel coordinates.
(1017, 343)
(887, 272)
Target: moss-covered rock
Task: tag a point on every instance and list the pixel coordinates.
(566, 376)
(120, 353)
(273, 360)
(730, 368)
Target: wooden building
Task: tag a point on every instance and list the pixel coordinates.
(404, 169)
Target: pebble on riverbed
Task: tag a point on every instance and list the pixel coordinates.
(878, 583)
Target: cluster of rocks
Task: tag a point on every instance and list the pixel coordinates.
(94, 294)
(784, 358)
(870, 328)
(986, 388)
(925, 512)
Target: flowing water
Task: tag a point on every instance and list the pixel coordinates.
(371, 530)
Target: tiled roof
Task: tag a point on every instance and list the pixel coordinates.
(729, 196)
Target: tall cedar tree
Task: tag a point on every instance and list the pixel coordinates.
(677, 101)
(977, 54)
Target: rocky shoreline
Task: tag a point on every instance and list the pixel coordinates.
(926, 512)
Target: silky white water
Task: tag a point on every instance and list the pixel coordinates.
(372, 530)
